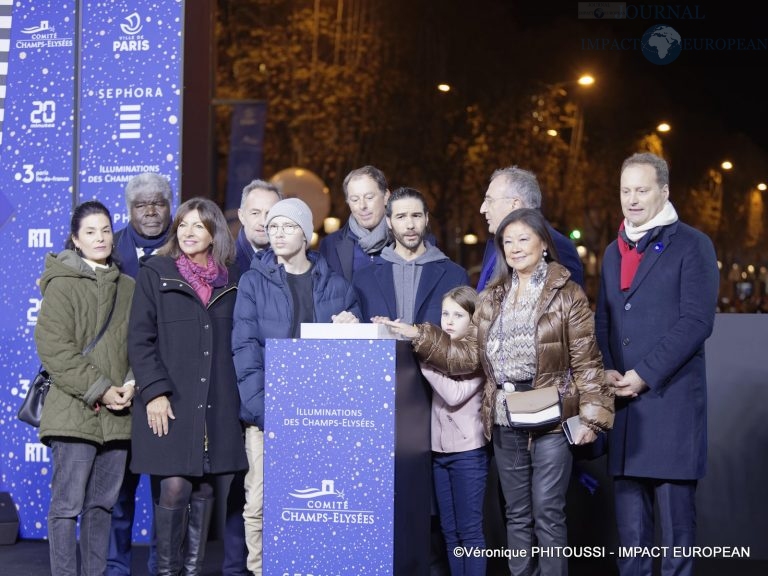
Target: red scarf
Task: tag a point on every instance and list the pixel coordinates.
(630, 260)
(201, 278)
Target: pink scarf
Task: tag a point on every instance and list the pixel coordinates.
(201, 278)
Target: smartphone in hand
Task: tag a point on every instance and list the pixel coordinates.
(571, 427)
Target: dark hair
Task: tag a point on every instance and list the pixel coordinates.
(371, 172)
(401, 193)
(658, 163)
(223, 248)
(464, 296)
(80, 213)
(537, 223)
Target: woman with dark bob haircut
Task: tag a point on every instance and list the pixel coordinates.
(186, 428)
(535, 329)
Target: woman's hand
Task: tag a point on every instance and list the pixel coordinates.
(345, 317)
(584, 435)
(408, 331)
(117, 398)
(158, 413)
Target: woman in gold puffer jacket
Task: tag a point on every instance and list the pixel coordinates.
(534, 329)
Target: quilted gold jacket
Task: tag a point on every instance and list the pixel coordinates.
(567, 351)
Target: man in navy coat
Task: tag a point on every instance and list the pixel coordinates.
(360, 241)
(656, 308)
(509, 189)
(409, 280)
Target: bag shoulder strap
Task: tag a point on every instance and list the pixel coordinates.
(92, 343)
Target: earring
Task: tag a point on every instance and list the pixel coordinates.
(544, 254)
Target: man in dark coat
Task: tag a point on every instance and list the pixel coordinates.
(410, 279)
(360, 241)
(252, 240)
(656, 309)
(148, 196)
(408, 282)
(512, 188)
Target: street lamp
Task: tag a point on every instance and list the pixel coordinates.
(652, 142)
(577, 136)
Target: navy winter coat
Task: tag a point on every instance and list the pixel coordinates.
(264, 309)
(658, 328)
(375, 284)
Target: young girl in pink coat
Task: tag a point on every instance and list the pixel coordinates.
(459, 448)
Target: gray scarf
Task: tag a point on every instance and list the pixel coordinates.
(370, 241)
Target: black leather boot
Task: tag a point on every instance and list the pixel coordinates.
(200, 512)
(170, 527)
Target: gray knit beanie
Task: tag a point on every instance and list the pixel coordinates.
(296, 210)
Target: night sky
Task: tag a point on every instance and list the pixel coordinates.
(713, 99)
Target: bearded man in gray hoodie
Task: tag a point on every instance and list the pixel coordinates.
(412, 276)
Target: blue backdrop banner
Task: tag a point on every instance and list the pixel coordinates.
(36, 168)
(245, 150)
(129, 97)
(117, 109)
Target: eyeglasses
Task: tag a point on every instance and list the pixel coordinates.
(287, 229)
(490, 200)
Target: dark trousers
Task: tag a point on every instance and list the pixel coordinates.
(534, 476)
(235, 549)
(676, 501)
(119, 556)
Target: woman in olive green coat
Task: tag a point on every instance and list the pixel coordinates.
(86, 418)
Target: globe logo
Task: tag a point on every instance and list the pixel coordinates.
(599, 13)
(661, 44)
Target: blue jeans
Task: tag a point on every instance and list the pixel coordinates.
(534, 483)
(676, 499)
(459, 479)
(85, 483)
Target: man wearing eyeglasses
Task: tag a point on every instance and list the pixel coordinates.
(512, 188)
(289, 285)
(360, 241)
(148, 197)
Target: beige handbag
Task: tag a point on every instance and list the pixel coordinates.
(539, 408)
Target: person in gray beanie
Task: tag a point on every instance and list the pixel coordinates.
(297, 212)
(289, 286)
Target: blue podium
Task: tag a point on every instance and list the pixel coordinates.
(347, 477)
